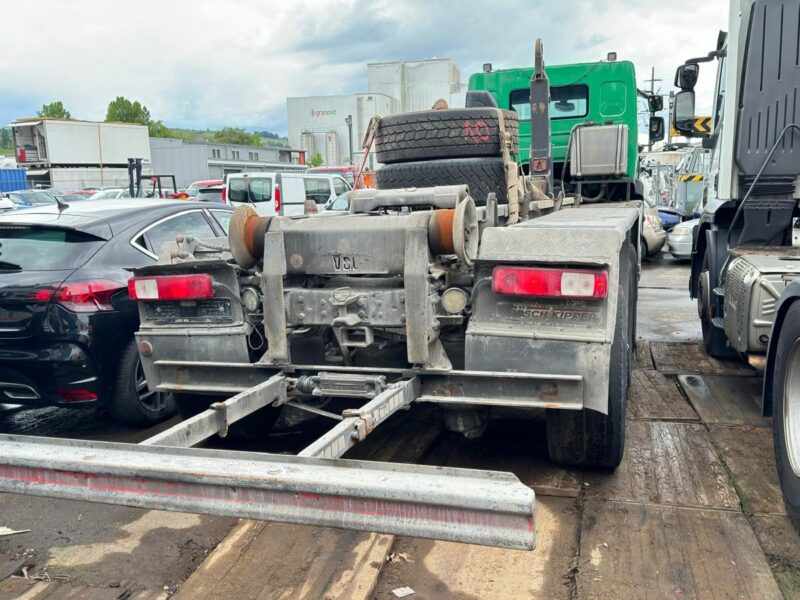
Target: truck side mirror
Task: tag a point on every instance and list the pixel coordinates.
(686, 76)
(656, 129)
(683, 113)
(656, 103)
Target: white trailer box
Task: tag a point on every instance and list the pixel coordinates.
(57, 142)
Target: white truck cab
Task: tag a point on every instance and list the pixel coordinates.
(283, 193)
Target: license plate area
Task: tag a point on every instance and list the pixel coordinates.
(214, 310)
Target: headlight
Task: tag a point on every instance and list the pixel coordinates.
(682, 231)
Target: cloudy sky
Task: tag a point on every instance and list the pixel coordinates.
(210, 63)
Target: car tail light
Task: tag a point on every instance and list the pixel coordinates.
(549, 283)
(80, 296)
(224, 196)
(277, 201)
(171, 287)
(654, 223)
(76, 395)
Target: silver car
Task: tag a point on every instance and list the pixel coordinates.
(679, 241)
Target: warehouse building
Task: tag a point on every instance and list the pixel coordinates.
(334, 126)
(198, 161)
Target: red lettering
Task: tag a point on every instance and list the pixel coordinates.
(477, 133)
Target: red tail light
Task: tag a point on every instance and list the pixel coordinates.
(549, 283)
(76, 395)
(171, 287)
(80, 296)
(277, 201)
(224, 195)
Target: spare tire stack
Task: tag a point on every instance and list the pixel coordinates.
(446, 147)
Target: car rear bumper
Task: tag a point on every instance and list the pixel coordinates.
(680, 246)
(61, 374)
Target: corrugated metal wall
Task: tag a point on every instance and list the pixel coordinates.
(12, 180)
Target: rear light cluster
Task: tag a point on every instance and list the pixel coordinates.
(549, 283)
(171, 287)
(80, 296)
(76, 395)
(277, 201)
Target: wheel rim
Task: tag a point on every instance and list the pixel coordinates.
(151, 400)
(791, 409)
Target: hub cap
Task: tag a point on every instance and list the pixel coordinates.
(791, 409)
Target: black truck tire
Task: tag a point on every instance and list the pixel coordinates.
(482, 175)
(714, 339)
(131, 402)
(437, 134)
(253, 427)
(786, 395)
(588, 438)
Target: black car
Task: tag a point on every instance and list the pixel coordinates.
(66, 320)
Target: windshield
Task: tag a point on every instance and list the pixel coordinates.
(209, 195)
(44, 249)
(192, 190)
(31, 198)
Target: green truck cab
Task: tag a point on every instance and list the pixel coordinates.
(603, 92)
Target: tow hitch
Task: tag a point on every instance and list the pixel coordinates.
(314, 488)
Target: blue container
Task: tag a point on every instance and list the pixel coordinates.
(12, 180)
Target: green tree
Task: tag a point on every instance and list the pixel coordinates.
(122, 110)
(158, 129)
(54, 110)
(235, 135)
(316, 160)
(5, 138)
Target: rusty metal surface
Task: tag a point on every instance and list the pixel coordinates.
(725, 400)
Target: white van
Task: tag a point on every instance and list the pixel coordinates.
(283, 193)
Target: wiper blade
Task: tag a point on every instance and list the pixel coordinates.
(9, 266)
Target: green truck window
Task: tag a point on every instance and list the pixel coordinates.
(566, 102)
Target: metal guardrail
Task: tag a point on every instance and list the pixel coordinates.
(461, 505)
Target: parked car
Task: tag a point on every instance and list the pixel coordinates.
(191, 191)
(339, 204)
(28, 198)
(653, 235)
(212, 193)
(283, 193)
(111, 193)
(66, 321)
(679, 241)
(348, 173)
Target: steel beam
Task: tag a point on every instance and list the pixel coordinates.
(221, 415)
(460, 505)
(359, 423)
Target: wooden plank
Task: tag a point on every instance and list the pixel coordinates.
(654, 396)
(666, 463)
(444, 570)
(673, 358)
(644, 360)
(518, 446)
(781, 544)
(725, 399)
(265, 561)
(750, 456)
(19, 588)
(651, 551)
